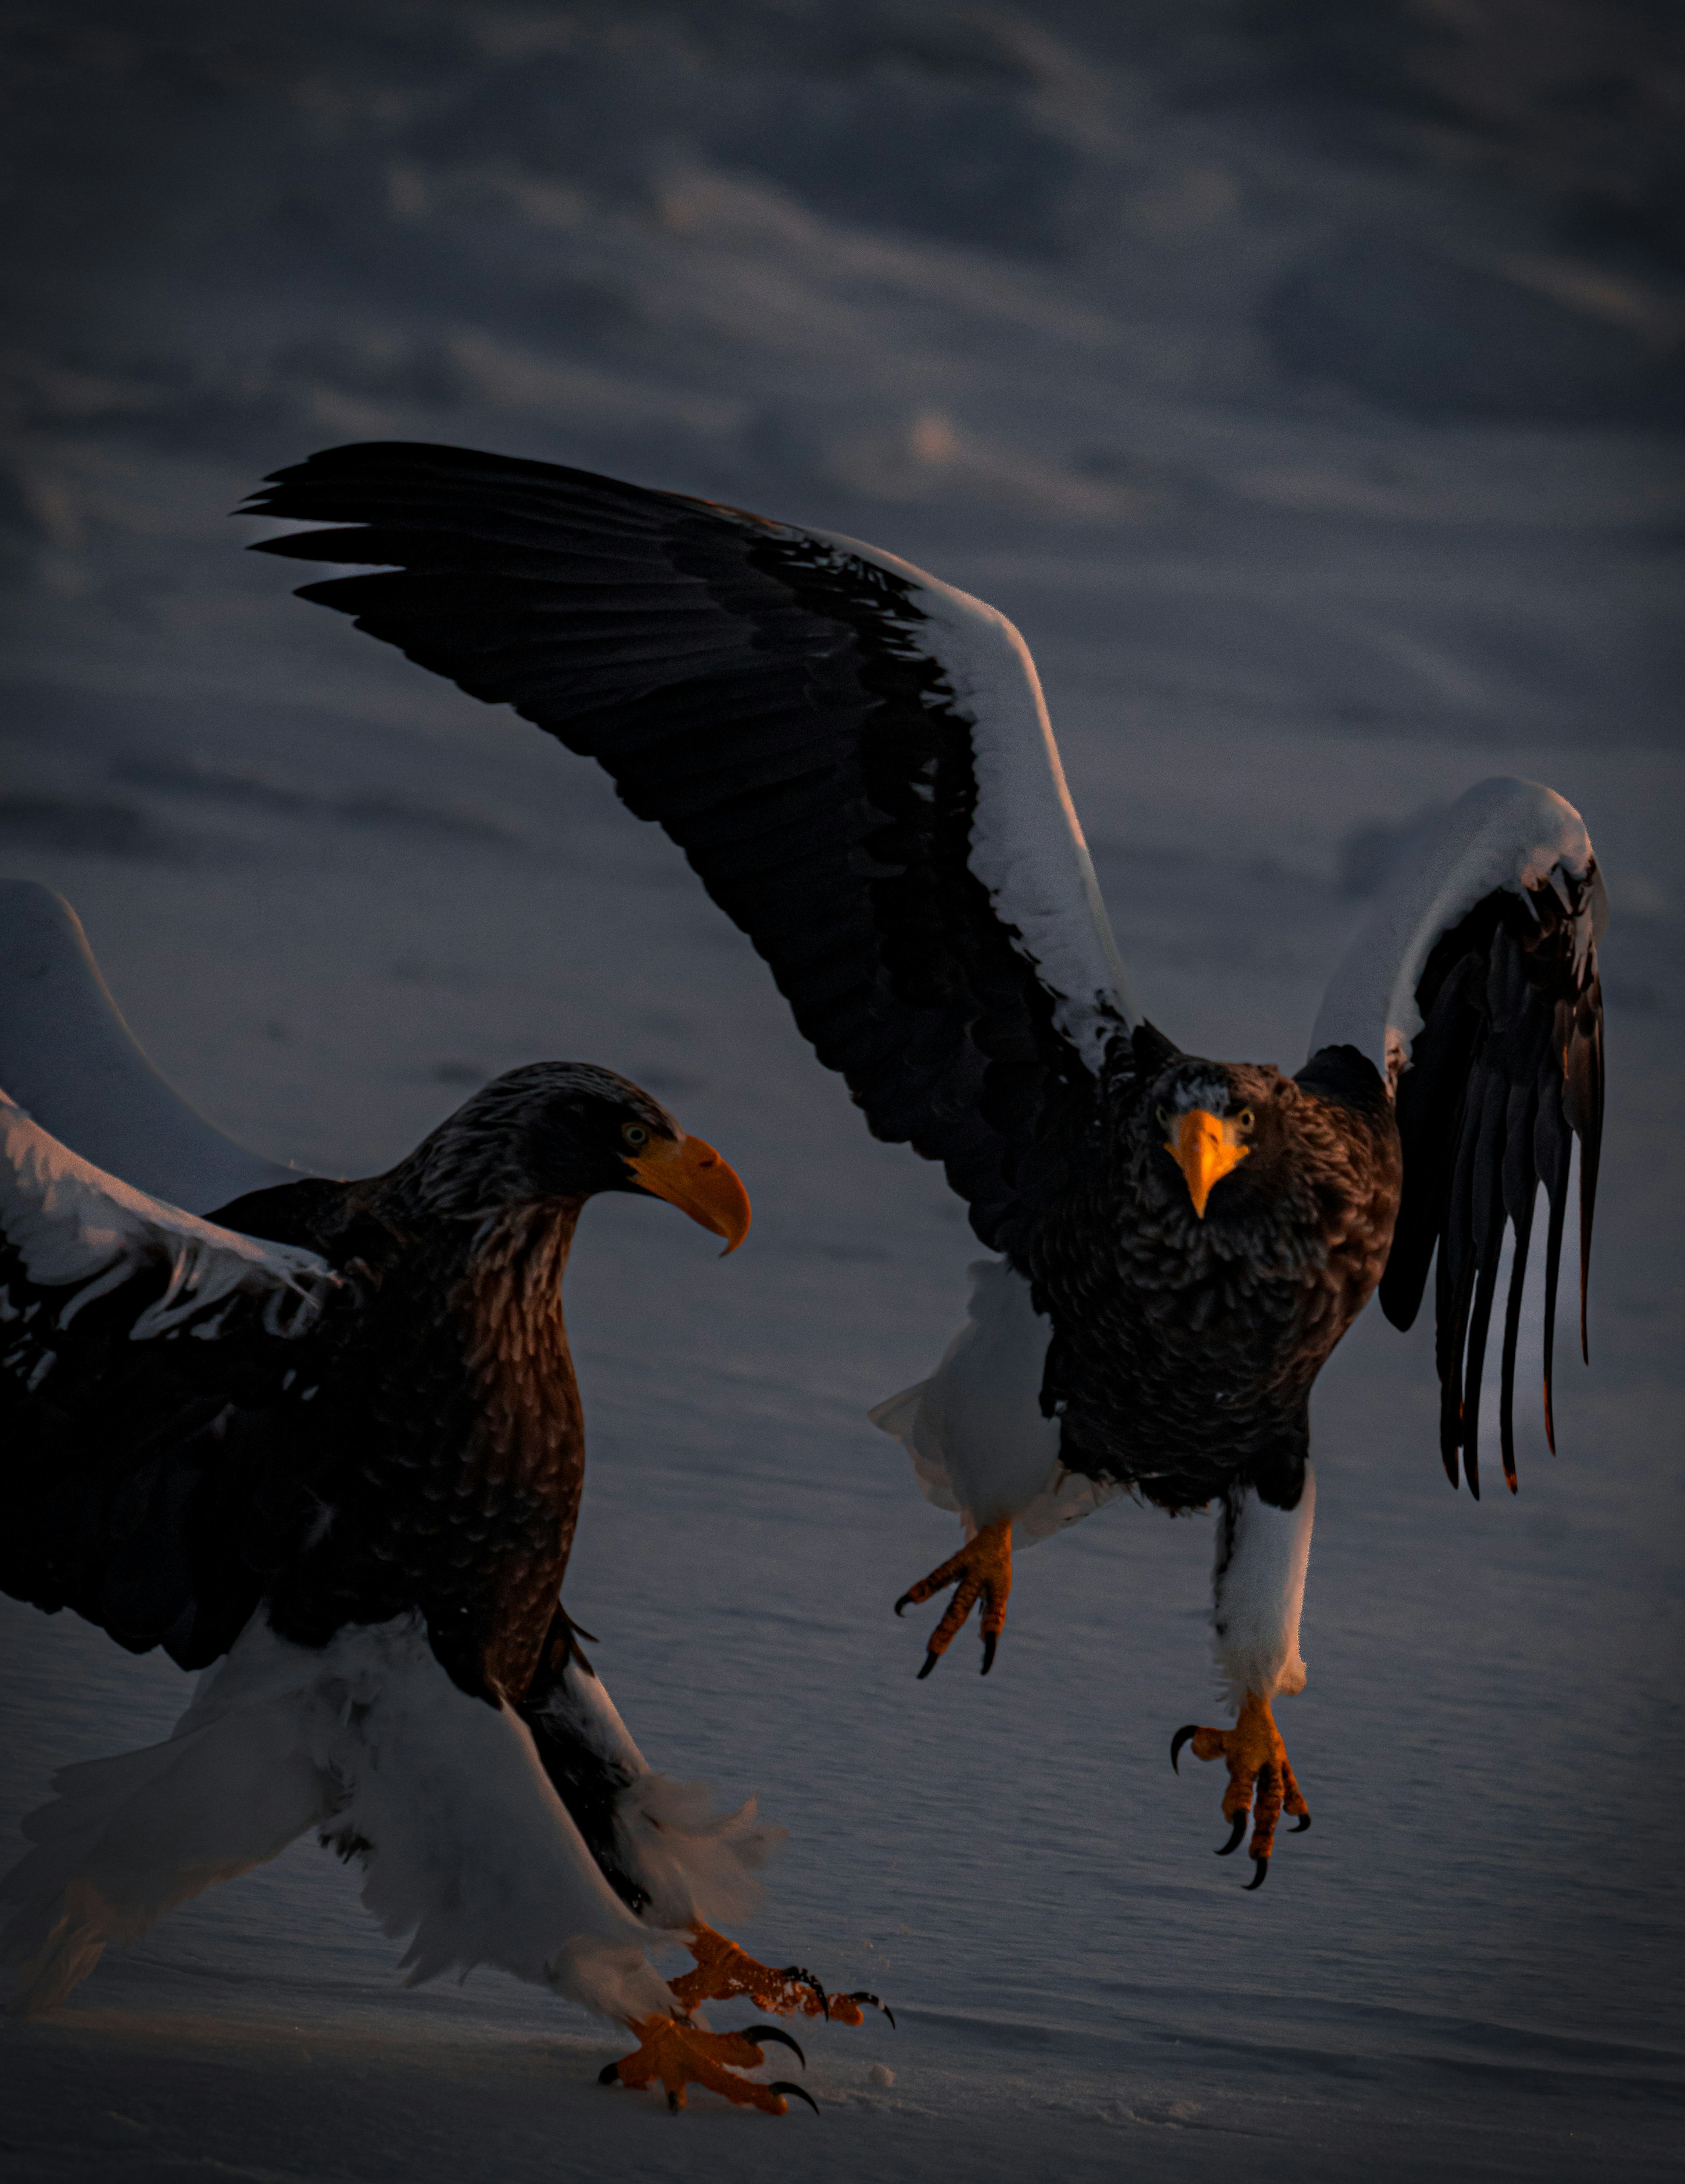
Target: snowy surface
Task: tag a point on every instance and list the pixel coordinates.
(1323, 468)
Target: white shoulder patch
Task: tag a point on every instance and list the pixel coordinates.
(1502, 833)
(1026, 841)
(77, 1228)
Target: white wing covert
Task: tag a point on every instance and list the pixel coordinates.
(144, 1354)
(1473, 988)
(67, 1056)
(73, 1234)
(855, 757)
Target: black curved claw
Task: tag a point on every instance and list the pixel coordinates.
(872, 2002)
(804, 1977)
(1259, 1878)
(783, 2085)
(1233, 1843)
(611, 2075)
(988, 1651)
(1303, 1823)
(672, 2105)
(902, 1602)
(760, 2033)
(1177, 1742)
(931, 1660)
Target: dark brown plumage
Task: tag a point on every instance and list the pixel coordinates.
(333, 1434)
(822, 728)
(856, 760)
(1185, 1347)
(448, 1456)
(421, 1449)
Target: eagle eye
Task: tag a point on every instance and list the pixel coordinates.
(1246, 1119)
(635, 1134)
(1166, 1118)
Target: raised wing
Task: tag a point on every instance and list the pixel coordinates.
(855, 758)
(1473, 987)
(67, 1056)
(141, 1353)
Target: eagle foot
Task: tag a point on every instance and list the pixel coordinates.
(681, 2055)
(723, 1971)
(1257, 1760)
(982, 1569)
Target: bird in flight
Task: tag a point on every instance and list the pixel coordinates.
(324, 1439)
(857, 761)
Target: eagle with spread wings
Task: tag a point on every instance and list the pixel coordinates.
(857, 761)
(323, 1440)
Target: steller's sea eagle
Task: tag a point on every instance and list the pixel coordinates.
(857, 760)
(324, 1440)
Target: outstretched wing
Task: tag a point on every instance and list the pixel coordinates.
(67, 1056)
(142, 1354)
(855, 758)
(1473, 987)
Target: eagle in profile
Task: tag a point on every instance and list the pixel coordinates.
(324, 1440)
(857, 761)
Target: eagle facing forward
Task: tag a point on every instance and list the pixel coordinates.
(857, 761)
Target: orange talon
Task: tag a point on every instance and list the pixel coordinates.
(982, 1568)
(681, 2055)
(1257, 1758)
(723, 1971)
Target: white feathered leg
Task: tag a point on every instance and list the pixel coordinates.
(1258, 1593)
(1258, 1596)
(468, 1850)
(696, 1867)
(981, 1447)
(692, 1862)
(467, 1847)
(975, 1431)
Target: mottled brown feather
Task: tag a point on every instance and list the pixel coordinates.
(532, 1430)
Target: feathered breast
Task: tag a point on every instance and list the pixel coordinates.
(1184, 1349)
(529, 1443)
(450, 1462)
(510, 1300)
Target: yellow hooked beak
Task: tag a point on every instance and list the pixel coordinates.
(689, 1174)
(1205, 1147)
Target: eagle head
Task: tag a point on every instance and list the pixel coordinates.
(570, 1129)
(1218, 1137)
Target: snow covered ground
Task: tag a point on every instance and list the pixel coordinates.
(1326, 467)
